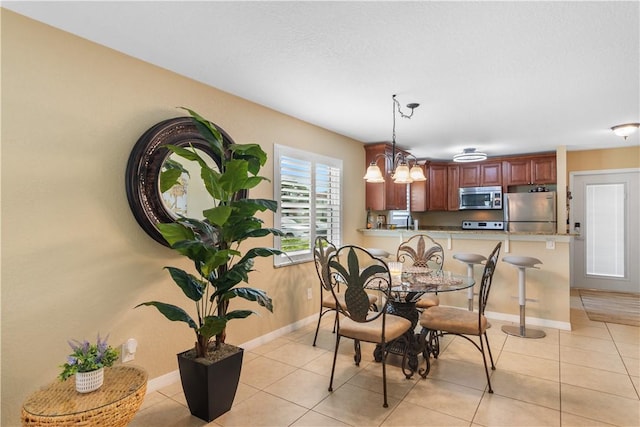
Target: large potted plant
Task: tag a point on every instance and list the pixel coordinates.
(213, 244)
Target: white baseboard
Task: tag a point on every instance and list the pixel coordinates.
(565, 326)
(173, 377)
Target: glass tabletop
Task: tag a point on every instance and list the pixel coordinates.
(414, 282)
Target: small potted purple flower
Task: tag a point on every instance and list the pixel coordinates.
(87, 363)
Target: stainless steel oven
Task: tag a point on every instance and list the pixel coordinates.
(480, 198)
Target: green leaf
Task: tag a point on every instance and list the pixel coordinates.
(172, 312)
(239, 314)
(175, 232)
(209, 132)
(171, 172)
(190, 285)
(250, 151)
(257, 295)
(235, 176)
(218, 215)
(212, 326)
(261, 252)
(187, 153)
(211, 179)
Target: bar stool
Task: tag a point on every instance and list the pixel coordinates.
(522, 263)
(470, 260)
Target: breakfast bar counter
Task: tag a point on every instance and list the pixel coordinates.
(548, 288)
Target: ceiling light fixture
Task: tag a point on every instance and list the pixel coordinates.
(626, 129)
(402, 173)
(469, 155)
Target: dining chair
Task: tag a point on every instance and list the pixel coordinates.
(322, 250)
(464, 323)
(422, 251)
(359, 271)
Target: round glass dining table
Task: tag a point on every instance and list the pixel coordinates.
(407, 288)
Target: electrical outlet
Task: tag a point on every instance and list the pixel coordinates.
(129, 348)
(551, 244)
(309, 293)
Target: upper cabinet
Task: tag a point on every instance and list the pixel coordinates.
(418, 192)
(437, 187)
(386, 195)
(528, 170)
(440, 191)
(480, 174)
(437, 192)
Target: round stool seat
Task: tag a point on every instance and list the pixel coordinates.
(470, 258)
(522, 261)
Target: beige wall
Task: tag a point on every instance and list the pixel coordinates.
(74, 260)
(612, 158)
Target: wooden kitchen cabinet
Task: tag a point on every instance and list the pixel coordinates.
(386, 195)
(432, 194)
(418, 193)
(438, 187)
(453, 183)
(529, 170)
(481, 174)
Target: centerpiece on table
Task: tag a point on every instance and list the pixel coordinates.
(87, 363)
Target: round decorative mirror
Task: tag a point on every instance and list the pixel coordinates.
(162, 185)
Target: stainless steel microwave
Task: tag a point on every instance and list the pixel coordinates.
(480, 198)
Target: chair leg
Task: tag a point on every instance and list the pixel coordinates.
(486, 368)
(318, 326)
(357, 357)
(486, 338)
(384, 375)
(333, 367)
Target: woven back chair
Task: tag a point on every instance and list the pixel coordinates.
(360, 271)
(462, 322)
(322, 250)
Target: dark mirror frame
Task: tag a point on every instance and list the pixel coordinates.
(145, 164)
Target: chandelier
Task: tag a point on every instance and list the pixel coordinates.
(402, 172)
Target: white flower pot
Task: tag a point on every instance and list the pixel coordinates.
(89, 381)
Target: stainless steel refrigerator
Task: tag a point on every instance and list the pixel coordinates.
(530, 212)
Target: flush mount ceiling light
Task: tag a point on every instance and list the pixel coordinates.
(403, 173)
(626, 129)
(469, 155)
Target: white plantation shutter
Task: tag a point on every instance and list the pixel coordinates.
(307, 187)
(327, 202)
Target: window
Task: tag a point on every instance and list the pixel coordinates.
(308, 189)
(605, 217)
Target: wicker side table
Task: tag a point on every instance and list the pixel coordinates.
(113, 404)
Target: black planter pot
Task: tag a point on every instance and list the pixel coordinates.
(210, 388)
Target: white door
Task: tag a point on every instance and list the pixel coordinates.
(604, 210)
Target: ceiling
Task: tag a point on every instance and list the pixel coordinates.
(503, 77)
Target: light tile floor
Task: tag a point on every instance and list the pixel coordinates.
(587, 377)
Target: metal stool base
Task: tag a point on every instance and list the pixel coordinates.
(523, 332)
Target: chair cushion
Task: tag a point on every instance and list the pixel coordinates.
(329, 302)
(454, 320)
(428, 301)
(371, 331)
